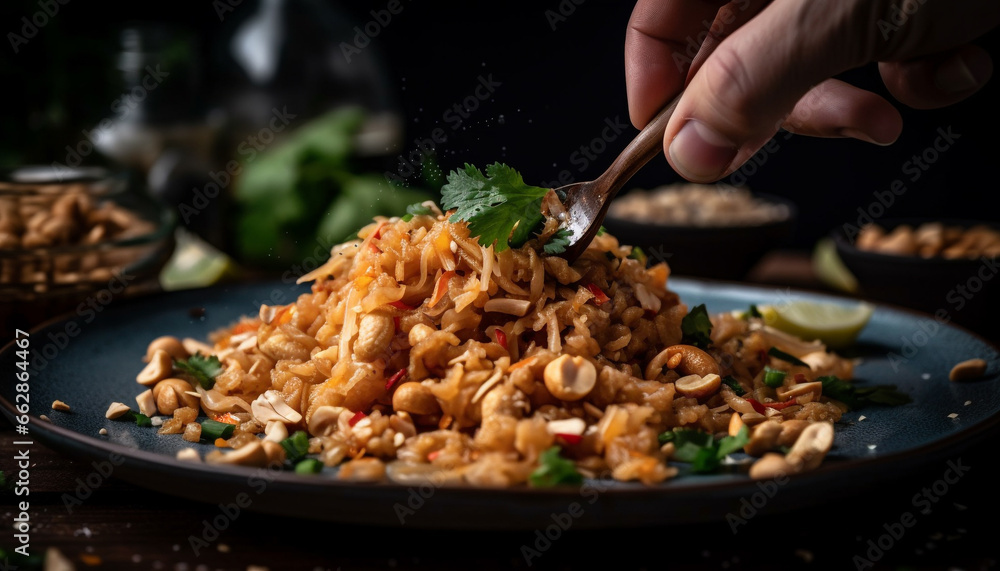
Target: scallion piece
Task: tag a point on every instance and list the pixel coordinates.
(773, 377)
(308, 466)
(212, 430)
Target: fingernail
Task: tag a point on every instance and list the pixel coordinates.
(855, 134)
(959, 73)
(699, 153)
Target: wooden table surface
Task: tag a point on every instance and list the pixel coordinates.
(121, 526)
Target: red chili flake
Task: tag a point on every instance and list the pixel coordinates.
(356, 418)
(433, 455)
(781, 405)
(401, 305)
(756, 405)
(800, 378)
(600, 298)
(391, 382)
(569, 438)
(501, 337)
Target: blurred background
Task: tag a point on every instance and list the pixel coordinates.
(274, 128)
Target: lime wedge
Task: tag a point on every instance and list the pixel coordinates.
(195, 264)
(830, 269)
(834, 324)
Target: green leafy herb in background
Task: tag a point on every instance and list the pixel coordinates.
(697, 327)
(856, 397)
(553, 470)
(201, 368)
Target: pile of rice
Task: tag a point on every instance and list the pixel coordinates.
(421, 353)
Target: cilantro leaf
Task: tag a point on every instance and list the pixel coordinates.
(558, 242)
(498, 206)
(732, 383)
(787, 357)
(857, 397)
(201, 368)
(701, 450)
(697, 327)
(553, 469)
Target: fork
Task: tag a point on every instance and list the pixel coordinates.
(587, 203)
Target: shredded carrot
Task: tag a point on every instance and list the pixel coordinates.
(441, 288)
(522, 363)
(227, 417)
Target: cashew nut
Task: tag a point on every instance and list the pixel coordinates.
(116, 410)
(250, 454)
(171, 345)
(160, 366)
(146, 402)
(323, 421)
(692, 361)
(570, 378)
(697, 386)
(415, 398)
(811, 446)
(171, 394)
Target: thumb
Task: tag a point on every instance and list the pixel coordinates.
(748, 86)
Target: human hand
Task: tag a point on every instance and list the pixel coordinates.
(765, 65)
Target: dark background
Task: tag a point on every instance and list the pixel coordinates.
(557, 89)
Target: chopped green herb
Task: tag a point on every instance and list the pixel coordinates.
(701, 450)
(638, 254)
(201, 368)
(308, 466)
(732, 383)
(212, 430)
(773, 377)
(788, 358)
(499, 206)
(558, 242)
(553, 470)
(697, 327)
(296, 446)
(856, 397)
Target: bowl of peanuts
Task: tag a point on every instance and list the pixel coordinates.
(946, 268)
(67, 235)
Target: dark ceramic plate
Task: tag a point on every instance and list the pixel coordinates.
(90, 364)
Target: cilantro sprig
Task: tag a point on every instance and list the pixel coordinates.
(201, 368)
(498, 206)
(697, 327)
(553, 470)
(858, 397)
(701, 449)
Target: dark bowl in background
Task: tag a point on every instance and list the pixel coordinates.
(938, 286)
(720, 252)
